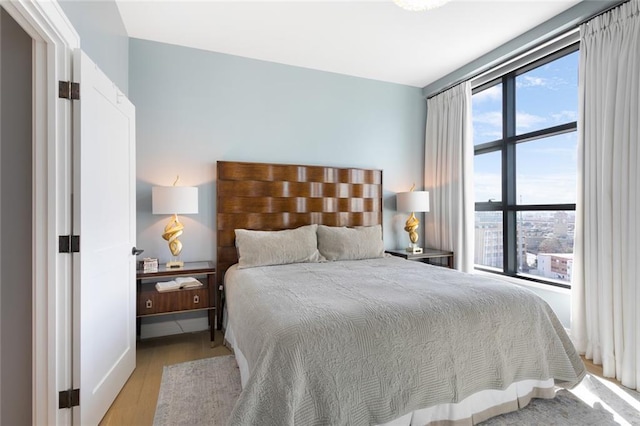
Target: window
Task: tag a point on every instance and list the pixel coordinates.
(525, 169)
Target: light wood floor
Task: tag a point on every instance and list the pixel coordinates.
(136, 403)
(596, 370)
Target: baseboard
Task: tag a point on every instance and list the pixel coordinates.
(167, 325)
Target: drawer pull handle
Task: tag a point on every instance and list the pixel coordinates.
(149, 304)
(196, 299)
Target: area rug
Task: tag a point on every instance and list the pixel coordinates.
(198, 392)
(204, 392)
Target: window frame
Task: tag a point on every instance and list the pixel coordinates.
(507, 146)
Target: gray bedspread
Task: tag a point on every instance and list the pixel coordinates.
(364, 342)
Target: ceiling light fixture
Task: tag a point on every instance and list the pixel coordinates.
(420, 5)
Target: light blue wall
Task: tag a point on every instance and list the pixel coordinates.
(102, 36)
(195, 107)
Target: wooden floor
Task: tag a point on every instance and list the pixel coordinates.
(596, 370)
(136, 403)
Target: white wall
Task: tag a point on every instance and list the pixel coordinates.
(15, 223)
(559, 299)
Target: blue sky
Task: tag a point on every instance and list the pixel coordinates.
(546, 169)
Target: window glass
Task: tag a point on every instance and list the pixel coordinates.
(487, 171)
(547, 170)
(541, 170)
(488, 239)
(545, 244)
(487, 114)
(547, 96)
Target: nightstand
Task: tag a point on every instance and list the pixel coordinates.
(426, 255)
(151, 302)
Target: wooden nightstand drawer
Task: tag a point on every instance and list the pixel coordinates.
(152, 302)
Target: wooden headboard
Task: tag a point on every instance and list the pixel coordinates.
(272, 197)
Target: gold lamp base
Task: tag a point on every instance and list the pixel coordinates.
(171, 233)
(412, 228)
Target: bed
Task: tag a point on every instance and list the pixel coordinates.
(363, 338)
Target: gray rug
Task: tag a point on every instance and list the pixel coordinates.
(204, 391)
(567, 409)
(198, 392)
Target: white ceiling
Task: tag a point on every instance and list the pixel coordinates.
(370, 39)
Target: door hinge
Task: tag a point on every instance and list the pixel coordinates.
(69, 244)
(69, 398)
(68, 90)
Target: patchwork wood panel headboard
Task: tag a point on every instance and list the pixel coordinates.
(272, 197)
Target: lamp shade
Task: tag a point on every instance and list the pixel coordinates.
(414, 201)
(174, 200)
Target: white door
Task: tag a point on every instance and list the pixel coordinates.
(104, 309)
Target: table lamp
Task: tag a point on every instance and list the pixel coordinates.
(413, 201)
(174, 200)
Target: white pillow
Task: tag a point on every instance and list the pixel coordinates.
(341, 243)
(263, 248)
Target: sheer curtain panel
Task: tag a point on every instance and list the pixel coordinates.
(606, 278)
(449, 174)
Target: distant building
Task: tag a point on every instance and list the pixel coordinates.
(538, 232)
(555, 265)
(560, 224)
(489, 245)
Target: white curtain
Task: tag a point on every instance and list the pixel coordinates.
(449, 174)
(606, 278)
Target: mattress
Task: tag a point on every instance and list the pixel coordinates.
(388, 340)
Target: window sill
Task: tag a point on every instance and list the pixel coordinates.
(525, 283)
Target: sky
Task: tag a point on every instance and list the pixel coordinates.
(546, 169)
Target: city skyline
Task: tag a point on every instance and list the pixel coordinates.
(540, 233)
